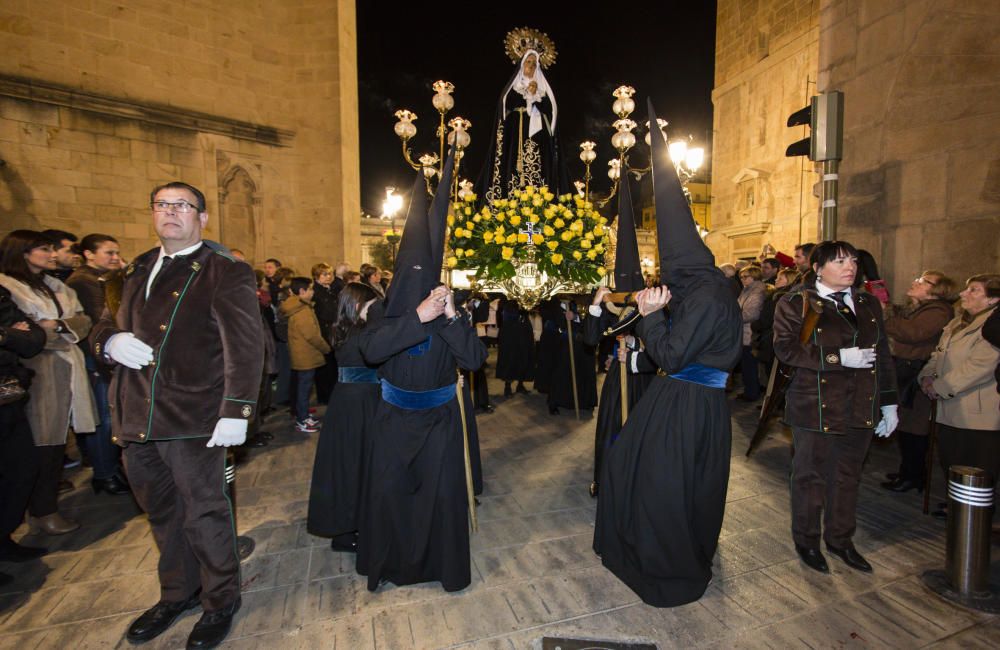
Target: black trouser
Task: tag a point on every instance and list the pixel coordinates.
(913, 456)
(326, 378)
(18, 467)
(45, 497)
(181, 485)
(826, 473)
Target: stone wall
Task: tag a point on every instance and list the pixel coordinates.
(920, 180)
(766, 53)
(255, 103)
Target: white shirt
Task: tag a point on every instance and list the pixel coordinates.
(159, 263)
(826, 293)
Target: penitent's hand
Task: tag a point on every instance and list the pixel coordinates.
(600, 295)
(650, 300)
(432, 306)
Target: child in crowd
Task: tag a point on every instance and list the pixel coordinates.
(306, 347)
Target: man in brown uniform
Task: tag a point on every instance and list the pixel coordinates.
(187, 344)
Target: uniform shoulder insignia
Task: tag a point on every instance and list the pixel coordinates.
(223, 254)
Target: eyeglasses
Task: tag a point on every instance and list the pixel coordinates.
(923, 280)
(181, 207)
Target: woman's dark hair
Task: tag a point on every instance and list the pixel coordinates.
(990, 282)
(367, 271)
(92, 242)
(13, 248)
(353, 297)
(867, 267)
(827, 251)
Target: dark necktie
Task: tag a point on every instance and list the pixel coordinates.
(167, 261)
(843, 307)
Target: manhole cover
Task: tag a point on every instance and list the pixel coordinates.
(552, 643)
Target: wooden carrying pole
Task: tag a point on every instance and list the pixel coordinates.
(572, 367)
(623, 376)
(470, 491)
(931, 440)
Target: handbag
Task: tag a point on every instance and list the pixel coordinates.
(11, 390)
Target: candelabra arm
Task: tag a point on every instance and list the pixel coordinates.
(407, 157)
(603, 202)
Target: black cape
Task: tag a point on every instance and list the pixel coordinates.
(664, 480)
(515, 344)
(342, 450)
(416, 526)
(609, 410)
(561, 389)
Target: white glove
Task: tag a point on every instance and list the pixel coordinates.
(857, 357)
(228, 432)
(128, 350)
(889, 422)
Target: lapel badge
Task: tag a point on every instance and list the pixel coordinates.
(832, 358)
(129, 269)
(196, 266)
(246, 410)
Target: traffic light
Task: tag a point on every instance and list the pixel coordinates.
(825, 117)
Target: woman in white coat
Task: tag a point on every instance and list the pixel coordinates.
(960, 376)
(60, 394)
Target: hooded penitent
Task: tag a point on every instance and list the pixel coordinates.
(421, 249)
(628, 272)
(684, 257)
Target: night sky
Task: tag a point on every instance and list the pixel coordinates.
(664, 49)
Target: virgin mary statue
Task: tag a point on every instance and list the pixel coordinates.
(524, 150)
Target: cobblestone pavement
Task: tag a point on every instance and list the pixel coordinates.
(534, 573)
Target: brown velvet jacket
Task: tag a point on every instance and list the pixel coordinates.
(204, 325)
(823, 394)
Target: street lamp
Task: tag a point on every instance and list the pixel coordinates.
(390, 208)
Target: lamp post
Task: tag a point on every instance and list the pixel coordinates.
(390, 208)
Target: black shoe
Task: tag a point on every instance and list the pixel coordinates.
(892, 476)
(11, 551)
(213, 627)
(851, 557)
(155, 620)
(902, 485)
(266, 435)
(521, 389)
(347, 543)
(813, 558)
(553, 410)
(113, 485)
(487, 409)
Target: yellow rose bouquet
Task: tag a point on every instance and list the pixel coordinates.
(563, 236)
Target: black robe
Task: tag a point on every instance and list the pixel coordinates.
(516, 343)
(416, 526)
(609, 411)
(547, 354)
(664, 480)
(343, 449)
(561, 390)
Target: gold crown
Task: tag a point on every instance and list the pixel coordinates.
(520, 40)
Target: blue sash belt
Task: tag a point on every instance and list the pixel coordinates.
(704, 375)
(417, 400)
(356, 375)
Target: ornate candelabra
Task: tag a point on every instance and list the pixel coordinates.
(432, 164)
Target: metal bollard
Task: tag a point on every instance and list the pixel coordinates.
(965, 579)
(244, 545)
